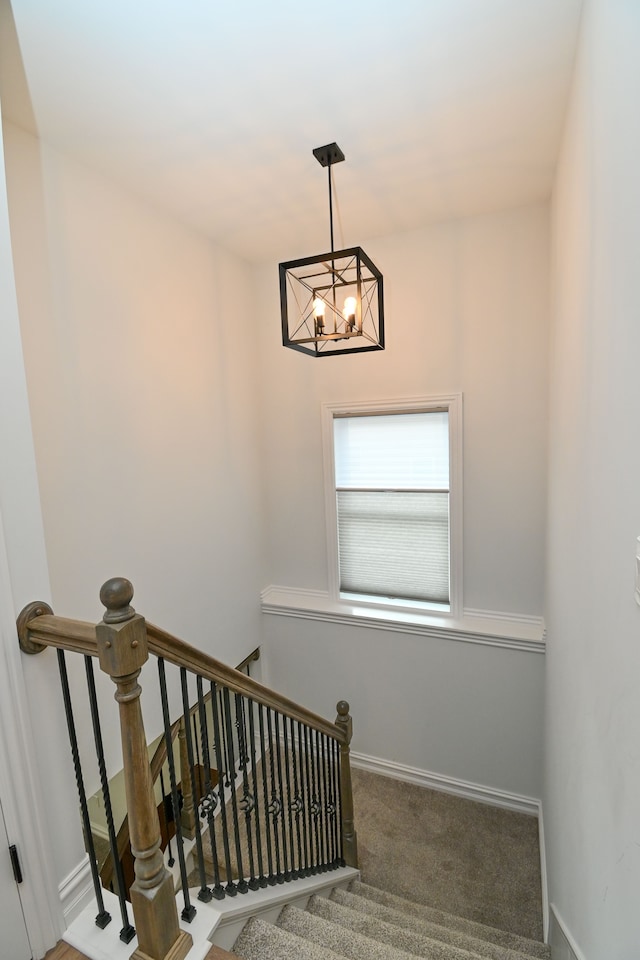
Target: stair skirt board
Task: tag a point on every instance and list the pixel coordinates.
(562, 942)
(437, 781)
(233, 913)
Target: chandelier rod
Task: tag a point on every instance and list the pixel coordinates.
(330, 206)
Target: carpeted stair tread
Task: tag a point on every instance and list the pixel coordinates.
(512, 941)
(353, 945)
(260, 940)
(409, 933)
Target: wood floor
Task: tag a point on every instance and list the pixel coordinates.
(64, 952)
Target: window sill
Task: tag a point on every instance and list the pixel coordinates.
(475, 626)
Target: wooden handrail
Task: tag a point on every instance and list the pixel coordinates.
(182, 654)
(37, 631)
(38, 628)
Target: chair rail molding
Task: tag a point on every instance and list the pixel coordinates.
(486, 627)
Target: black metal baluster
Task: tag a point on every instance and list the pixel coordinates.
(248, 801)
(225, 766)
(168, 810)
(241, 883)
(204, 894)
(262, 880)
(263, 749)
(286, 871)
(127, 932)
(343, 862)
(328, 748)
(306, 796)
(209, 801)
(241, 723)
(335, 756)
(293, 873)
(297, 799)
(327, 802)
(198, 764)
(321, 830)
(189, 910)
(275, 804)
(218, 723)
(314, 801)
(318, 794)
(103, 917)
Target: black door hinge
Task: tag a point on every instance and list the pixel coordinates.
(15, 863)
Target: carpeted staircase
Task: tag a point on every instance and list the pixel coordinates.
(364, 923)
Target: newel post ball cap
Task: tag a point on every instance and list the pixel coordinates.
(343, 708)
(116, 595)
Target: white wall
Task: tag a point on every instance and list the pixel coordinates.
(592, 793)
(466, 308)
(23, 573)
(140, 374)
(139, 366)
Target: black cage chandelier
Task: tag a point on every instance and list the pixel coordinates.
(332, 303)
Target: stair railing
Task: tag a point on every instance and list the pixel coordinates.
(283, 808)
(109, 872)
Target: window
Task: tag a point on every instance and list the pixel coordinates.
(393, 502)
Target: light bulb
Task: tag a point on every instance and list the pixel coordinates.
(349, 312)
(318, 316)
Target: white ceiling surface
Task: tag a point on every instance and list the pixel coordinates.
(444, 108)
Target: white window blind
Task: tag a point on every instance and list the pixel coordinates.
(392, 501)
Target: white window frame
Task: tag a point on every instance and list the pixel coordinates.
(452, 403)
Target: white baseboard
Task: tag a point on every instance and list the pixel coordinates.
(76, 891)
(436, 781)
(99, 830)
(563, 945)
(543, 875)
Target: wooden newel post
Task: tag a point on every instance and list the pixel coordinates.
(122, 650)
(349, 837)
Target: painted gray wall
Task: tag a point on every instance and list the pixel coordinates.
(592, 793)
(459, 710)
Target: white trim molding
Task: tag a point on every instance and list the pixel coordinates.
(20, 785)
(563, 945)
(232, 914)
(515, 632)
(544, 883)
(436, 781)
(76, 891)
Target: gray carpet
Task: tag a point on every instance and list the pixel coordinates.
(470, 859)
(366, 924)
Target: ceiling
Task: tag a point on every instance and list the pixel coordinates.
(211, 109)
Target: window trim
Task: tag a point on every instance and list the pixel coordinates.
(453, 404)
